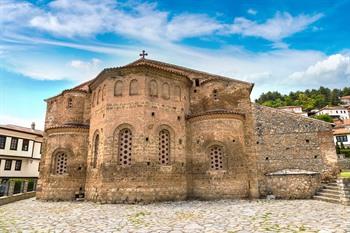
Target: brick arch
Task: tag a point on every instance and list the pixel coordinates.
(118, 88)
(164, 134)
(134, 87)
(216, 152)
(95, 148)
(123, 144)
(60, 161)
(153, 88)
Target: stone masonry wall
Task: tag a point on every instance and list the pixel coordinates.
(288, 141)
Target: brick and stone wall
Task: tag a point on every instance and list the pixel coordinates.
(289, 141)
(215, 143)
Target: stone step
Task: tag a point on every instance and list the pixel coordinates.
(326, 194)
(329, 184)
(327, 199)
(331, 187)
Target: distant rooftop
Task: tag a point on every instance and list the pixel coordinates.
(22, 129)
(334, 108)
(290, 107)
(345, 97)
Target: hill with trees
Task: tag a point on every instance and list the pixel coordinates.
(308, 99)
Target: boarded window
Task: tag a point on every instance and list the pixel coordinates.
(153, 88)
(177, 93)
(133, 87)
(118, 88)
(166, 91)
(98, 96)
(96, 150)
(61, 163)
(216, 154)
(164, 147)
(125, 147)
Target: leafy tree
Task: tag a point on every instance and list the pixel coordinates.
(324, 117)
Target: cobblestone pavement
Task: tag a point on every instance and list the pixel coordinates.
(193, 216)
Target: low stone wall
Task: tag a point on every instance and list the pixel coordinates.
(293, 184)
(344, 163)
(16, 197)
(344, 188)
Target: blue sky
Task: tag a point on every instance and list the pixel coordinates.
(48, 46)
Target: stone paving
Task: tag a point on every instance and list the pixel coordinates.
(193, 216)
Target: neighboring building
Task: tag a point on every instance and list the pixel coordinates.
(294, 109)
(345, 100)
(341, 132)
(337, 112)
(152, 131)
(20, 153)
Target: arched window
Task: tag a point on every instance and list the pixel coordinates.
(177, 93)
(133, 90)
(103, 92)
(93, 99)
(98, 96)
(118, 88)
(69, 103)
(216, 154)
(153, 88)
(164, 147)
(125, 147)
(166, 91)
(95, 151)
(60, 163)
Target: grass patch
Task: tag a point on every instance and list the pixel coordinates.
(345, 174)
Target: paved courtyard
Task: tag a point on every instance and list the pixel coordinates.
(194, 216)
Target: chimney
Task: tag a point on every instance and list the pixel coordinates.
(33, 125)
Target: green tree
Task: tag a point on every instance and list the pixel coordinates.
(324, 117)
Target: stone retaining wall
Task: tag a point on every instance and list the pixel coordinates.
(16, 197)
(344, 187)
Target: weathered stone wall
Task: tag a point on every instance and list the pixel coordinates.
(293, 186)
(289, 141)
(73, 142)
(145, 114)
(71, 107)
(225, 130)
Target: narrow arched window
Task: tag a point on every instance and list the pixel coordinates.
(95, 151)
(216, 154)
(133, 89)
(98, 96)
(103, 92)
(177, 93)
(153, 88)
(69, 103)
(166, 91)
(164, 147)
(93, 99)
(118, 88)
(60, 164)
(125, 147)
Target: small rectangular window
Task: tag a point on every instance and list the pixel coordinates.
(342, 138)
(2, 141)
(41, 148)
(14, 143)
(8, 165)
(196, 82)
(25, 145)
(18, 165)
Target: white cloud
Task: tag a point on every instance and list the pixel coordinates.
(142, 21)
(25, 122)
(252, 11)
(275, 29)
(79, 64)
(334, 69)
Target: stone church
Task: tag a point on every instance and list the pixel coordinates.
(151, 131)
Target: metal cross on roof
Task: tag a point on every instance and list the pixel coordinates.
(143, 54)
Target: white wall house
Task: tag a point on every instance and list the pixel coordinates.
(342, 135)
(20, 153)
(345, 100)
(294, 109)
(335, 112)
